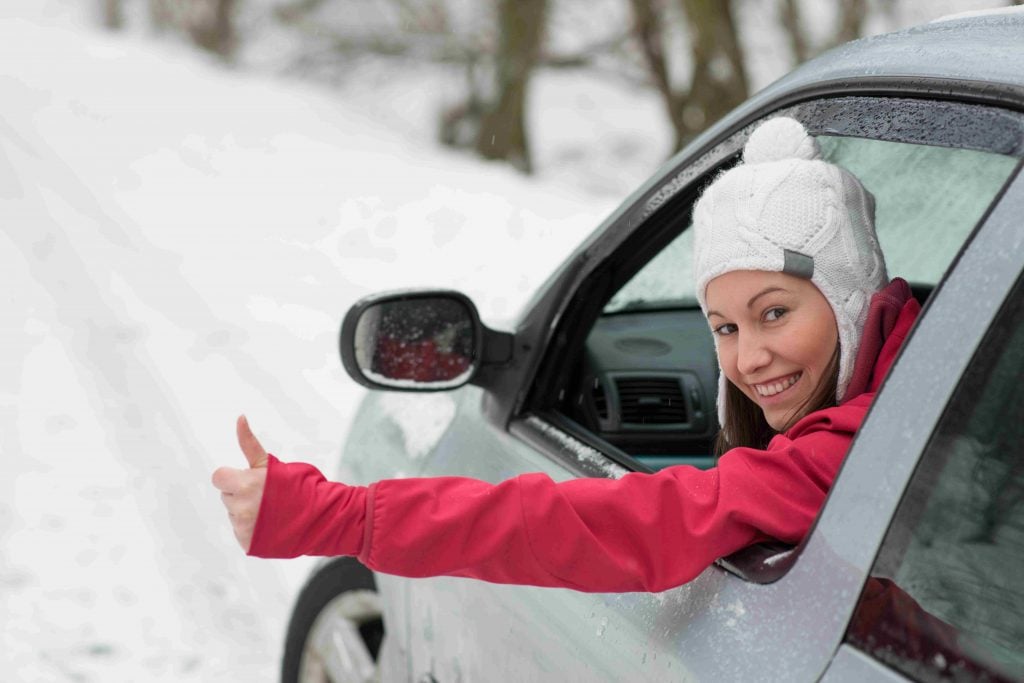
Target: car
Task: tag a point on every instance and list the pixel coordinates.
(611, 369)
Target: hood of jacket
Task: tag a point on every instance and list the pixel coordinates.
(891, 315)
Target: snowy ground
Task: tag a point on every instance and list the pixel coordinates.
(178, 243)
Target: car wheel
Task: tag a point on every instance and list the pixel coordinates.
(336, 627)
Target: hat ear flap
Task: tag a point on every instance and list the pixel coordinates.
(860, 207)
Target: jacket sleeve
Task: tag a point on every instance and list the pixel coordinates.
(643, 532)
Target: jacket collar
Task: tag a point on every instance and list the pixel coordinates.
(891, 314)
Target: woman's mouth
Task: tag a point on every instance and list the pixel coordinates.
(778, 386)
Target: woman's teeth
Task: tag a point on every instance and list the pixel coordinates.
(776, 387)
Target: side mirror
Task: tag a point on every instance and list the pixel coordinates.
(418, 341)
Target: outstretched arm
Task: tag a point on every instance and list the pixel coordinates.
(638, 533)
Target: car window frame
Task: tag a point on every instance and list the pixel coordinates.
(652, 222)
(930, 465)
(646, 221)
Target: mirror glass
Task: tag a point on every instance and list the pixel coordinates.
(420, 343)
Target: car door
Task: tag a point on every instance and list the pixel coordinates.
(945, 594)
(760, 616)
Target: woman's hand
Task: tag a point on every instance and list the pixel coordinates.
(242, 490)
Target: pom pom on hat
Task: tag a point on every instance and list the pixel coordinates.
(785, 209)
(778, 139)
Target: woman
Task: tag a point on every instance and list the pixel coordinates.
(792, 281)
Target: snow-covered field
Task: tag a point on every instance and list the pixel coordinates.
(178, 244)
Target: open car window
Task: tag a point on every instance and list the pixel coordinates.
(646, 380)
(928, 199)
(629, 369)
(648, 375)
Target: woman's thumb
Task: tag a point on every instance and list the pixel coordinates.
(250, 445)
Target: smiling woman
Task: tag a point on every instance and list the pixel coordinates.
(787, 261)
(789, 271)
(778, 344)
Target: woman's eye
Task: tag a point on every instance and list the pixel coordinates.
(726, 329)
(773, 314)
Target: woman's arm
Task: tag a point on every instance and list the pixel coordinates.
(643, 532)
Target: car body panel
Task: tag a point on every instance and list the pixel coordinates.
(718, 627)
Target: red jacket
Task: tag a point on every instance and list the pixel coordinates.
(643, 532)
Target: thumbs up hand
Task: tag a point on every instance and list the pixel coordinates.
(242, 489)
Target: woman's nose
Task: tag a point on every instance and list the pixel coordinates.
(752, 354)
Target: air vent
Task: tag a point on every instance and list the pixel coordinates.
(597, 395)
(651, 400)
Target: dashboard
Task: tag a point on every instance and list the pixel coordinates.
(648, 386)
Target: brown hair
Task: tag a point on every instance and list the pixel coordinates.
(744, 420)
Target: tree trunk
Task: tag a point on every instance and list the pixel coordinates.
(503, 133)
(789, 12)
(113, 17)
(161, 16)
(851, 21)
(648, 30)
(719, 81)
(211, 26)
(294, 11)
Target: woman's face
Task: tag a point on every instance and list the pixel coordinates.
(776, 336)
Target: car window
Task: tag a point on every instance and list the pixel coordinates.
(665, 282)
(924, 195)
(927, 199)
(648, 382)
(946, 594)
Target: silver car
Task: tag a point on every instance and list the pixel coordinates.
(914, 568)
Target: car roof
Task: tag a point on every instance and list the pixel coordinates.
(980, 47)
(971, 57)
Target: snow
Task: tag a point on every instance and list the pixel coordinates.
(178, 244)
(417, 384)
(578, 449)
(422, 419)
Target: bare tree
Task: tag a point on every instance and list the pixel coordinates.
(718, 80)
(161, 15)
(851, 21)
(503, 133)
(849, 26)
(296, 10)
(211, 27)
(209, 23)
(789, 11)
(113, 16)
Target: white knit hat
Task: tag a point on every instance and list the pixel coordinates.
(786, 210)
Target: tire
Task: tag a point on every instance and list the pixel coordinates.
(336, 628)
